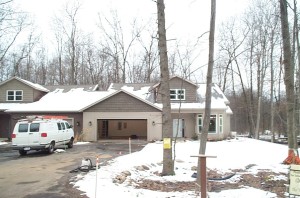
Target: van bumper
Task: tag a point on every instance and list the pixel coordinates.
(30, 147)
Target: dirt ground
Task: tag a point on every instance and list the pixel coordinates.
(262, 180)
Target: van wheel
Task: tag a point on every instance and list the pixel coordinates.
(51, 148)
(22, 152)
(70, 144)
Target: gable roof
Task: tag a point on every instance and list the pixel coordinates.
(67, 88)
(126, 92)
(190, 82)
(140, 90)
(30, 84)
(218, 100)
(75, 100)
(58, 101)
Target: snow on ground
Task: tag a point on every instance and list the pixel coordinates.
(231, 154)
(81, 143)
(2, 143)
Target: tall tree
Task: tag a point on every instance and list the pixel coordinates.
(204, 133)
(293, 155)
(168, 164)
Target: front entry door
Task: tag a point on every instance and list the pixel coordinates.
(178, 127)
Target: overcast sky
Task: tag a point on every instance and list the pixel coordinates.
(184, 18)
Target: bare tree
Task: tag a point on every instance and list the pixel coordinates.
(289, 84)
(204, 133)
(149, 56)
(67, 23)
(12, 23)
(116, 45)
(168, 163)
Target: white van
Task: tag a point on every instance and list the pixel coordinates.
(41, 134)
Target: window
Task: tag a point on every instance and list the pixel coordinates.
(35, 127)
(59, 126)
(63, 126)
(119, 125)
(14, 95)
(177, 94)
(221, 123)
(212, 123)
(23, 128)
(68, 125)
(200, 123)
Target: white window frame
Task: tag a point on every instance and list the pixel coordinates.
(200, 123)
(177, 94)
(14, 95)
(221, 120)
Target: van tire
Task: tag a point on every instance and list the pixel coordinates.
(22, 152)
(70, 144)
(51, 148)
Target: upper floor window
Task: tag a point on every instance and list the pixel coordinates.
(14, 95)
(177, 94)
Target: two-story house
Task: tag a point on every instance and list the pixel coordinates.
(134, 110)
(13, 92)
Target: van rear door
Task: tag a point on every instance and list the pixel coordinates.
(34, 134)
(21, 132)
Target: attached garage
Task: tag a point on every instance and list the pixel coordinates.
(122, 128)
(122, 115)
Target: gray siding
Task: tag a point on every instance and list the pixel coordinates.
(178, 83)
(29, 94)
(122, 102)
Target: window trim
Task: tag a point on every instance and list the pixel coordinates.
(221, 120)
(177, 94)
(200, 117)
(200, 122)
(14, 95)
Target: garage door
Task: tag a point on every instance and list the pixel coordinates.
(121, 128)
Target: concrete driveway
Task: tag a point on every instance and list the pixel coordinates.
(42, 175)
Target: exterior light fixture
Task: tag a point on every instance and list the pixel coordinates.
(90, 123)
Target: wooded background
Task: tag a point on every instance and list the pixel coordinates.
(248, 57)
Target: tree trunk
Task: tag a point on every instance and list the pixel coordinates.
(168, 164)
(293, 155)
(272, 88)
(204, 133)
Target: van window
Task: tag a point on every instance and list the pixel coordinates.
(59, 126)
(63, 126)
(35, 127)
(23, 128)
(67, 125)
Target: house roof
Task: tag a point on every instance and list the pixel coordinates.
(216, 94)
(33, 85)
(79, 99)
(5, 106)
(59, 101)
(157, 84)
(67, 88)
(218, 100)
(134, 95)
(139, 90)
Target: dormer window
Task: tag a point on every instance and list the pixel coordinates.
(177, 94)
(14, 95)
